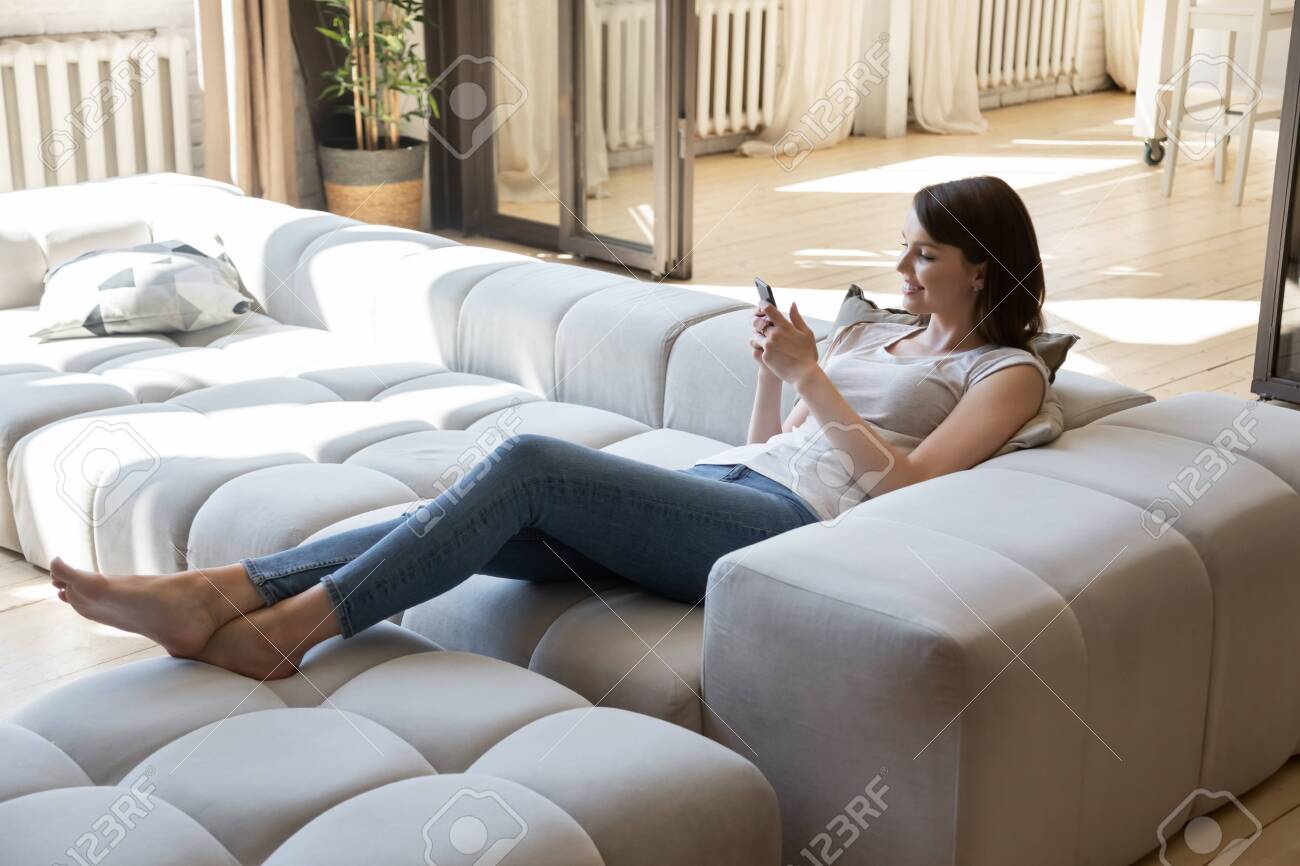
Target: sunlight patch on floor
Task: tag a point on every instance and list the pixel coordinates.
(844, 263)
(832, 253)
(1022, 172)
(1078, 362)
(35, 592)
(643, 216)
(1126, 271)
(1075, 142)
(1157, 321)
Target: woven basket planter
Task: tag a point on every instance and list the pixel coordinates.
(375, 186)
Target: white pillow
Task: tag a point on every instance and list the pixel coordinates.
(158, 287)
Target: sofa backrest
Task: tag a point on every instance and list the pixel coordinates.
(659, 352)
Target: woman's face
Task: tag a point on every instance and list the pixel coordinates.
(937, 278)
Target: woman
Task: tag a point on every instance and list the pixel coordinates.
(890, 405)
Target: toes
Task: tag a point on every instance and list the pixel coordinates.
(63, 574)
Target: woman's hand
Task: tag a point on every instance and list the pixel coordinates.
(760, 323)
(787, 347)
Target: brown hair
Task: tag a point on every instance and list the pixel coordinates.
(987, 220)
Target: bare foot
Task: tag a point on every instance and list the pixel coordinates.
(268, 644)
(174, 610)
(255, 646)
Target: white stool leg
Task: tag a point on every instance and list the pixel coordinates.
(1225, 93)
(1181, 40)
(1246, 129)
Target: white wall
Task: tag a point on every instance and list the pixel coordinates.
(52, 17)
(1092, 44)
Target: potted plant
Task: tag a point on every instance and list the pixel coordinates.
(376, 175)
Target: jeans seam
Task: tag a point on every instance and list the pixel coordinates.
(737, 471)
(258, 580)
(338, 603)
(324, 563)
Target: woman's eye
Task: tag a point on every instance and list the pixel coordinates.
(921, 256)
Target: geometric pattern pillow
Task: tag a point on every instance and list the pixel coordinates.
(157, 287)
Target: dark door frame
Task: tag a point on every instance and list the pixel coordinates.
(674, 156)
(1282, 262)
(465, 192)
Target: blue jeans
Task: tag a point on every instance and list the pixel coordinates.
(540, 508)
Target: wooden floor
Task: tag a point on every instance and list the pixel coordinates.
(1164, 292)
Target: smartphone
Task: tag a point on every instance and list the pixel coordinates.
(765, 295)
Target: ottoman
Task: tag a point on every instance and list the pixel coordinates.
(385, 750)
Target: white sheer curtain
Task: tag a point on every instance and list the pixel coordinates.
(1123, 36)
(822, 39)
(526, 45)
(945, 93)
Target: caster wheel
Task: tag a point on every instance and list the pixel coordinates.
(1154, 152)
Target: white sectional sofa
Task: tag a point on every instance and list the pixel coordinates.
(1040, 673)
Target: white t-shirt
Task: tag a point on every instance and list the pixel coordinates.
(903, 399)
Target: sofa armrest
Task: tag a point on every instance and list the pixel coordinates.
(885, 645)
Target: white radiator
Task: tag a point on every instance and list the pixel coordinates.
(1026, 42)
(736, 72)
(91, 107)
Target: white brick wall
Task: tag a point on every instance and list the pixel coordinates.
(1092, 45)
(49, 17)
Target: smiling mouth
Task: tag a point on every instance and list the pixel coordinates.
(911, 289)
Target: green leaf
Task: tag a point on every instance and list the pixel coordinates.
(330, 34)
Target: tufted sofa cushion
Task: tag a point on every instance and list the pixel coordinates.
(383, 749)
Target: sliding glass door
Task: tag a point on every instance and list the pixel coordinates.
(570, 121)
